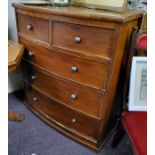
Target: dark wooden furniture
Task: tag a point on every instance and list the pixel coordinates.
(72, 64)
(15, 54)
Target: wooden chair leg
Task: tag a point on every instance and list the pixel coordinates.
(15, 116)
(118, 135)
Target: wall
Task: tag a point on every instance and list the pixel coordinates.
(14, 78)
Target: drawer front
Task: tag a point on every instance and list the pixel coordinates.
(84, 39)
(83, 71)
(64, 116)
(69, 94)
(33, 27)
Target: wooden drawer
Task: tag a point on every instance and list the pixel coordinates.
(80, 70)
(63, 116)
(34, 28)
(84, 39)
(67, 93)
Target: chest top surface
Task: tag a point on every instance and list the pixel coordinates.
(82, 12)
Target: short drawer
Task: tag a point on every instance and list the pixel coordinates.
(83, 39)
(63, 116)
(86, 72)
(34, 28)
(68, 93)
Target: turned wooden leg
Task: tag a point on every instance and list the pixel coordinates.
(15, 116)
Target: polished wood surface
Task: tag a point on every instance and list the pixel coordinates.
(62, 64)
(86, 101)
(61, 114)
(84, 13)
(15, 53)
(71, 71)
(12, 116)
(88, 37)
(33, 27)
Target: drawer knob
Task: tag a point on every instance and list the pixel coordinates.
(73, 120)
(30, 54)
(77, 39)
(29, 26)
(35, 99)
(33, 77)
(73, 96)
(74, 69)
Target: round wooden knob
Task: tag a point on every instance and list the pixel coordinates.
(73, 96)
(74, 120)
(35, 99)
(74, 69)
(77, 39)
(30, 54)
(33, 77)
(29, 26)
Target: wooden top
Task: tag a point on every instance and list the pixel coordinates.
(15, 53)
(82, 12)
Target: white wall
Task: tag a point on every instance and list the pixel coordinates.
(14, 78)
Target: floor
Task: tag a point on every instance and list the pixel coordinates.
(34, 137)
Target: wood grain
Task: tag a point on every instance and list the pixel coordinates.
(87, 102)
(61, 114)
(15, 53)
(39, 30)
(93, 40)
(83, 13)
(60, 64)
(15, 116)
(99, 57)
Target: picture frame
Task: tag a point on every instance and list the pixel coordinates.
(113, 5)
(138, 85)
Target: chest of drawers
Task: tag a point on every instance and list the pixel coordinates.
(71, 66)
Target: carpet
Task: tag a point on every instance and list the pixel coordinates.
(34, 137)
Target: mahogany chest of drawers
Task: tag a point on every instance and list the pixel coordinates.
(71, 66)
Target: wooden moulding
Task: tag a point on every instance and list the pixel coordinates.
(82, 13)
(57, 55)
(42, 59)
(80, 137)
(60, 90)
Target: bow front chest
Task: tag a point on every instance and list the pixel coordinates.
(71, 66)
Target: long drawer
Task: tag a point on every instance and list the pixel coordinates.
(63, 116)
(68, 93)
(83, 71)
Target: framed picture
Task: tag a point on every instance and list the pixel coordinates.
(114, 5)
(138, 85)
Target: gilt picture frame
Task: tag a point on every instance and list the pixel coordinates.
(113, 5)
(138, 85)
